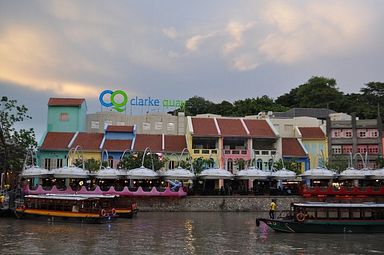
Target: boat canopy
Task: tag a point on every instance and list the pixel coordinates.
(215, 173)
(178, 173)
(318, 173)
(253, 173)
(142, 173)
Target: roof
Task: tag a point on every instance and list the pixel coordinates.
(259, 128)
(153, 142)
(174, 143)
(65, 101)
(88, 141)
(319, 113)
(122, 129)
(57, 141)
(292, 148)
(117, 145)
(312, 133)
(204, 127)
(231, 127)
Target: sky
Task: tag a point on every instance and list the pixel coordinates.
(172, 49)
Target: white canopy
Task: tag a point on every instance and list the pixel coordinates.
(354, 174)
(70, 172)
(178, 173)
(319, 173)
(283, 174)
(110, 173)
(142, 173)
(215, 173)
(377, 173)
(253, 173)
(35, 171)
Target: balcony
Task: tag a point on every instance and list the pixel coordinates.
(264, 153)
(204, 151)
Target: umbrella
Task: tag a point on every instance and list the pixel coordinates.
(253, 173)
(142, 173)
(215, 173)
(178, 173)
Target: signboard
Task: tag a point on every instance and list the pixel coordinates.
(118, 100)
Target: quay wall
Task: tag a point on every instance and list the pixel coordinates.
(214, 203)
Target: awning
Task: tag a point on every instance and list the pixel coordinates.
(215, 173)
(178, 173)
(252, 173)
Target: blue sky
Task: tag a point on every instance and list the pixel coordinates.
(221, 50)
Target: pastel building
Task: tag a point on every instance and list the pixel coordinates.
(228, 140)
(315, 143)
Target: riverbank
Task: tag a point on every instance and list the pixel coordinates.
(214, 203)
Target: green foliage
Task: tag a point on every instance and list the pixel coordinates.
(289, 165)
(199, 164)
(14, 145)
(317, 92)
(92, 165)
(132, 161)
(337, 163)
(240, 163)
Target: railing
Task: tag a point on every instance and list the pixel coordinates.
(269, 153)
(236, 152)
(205, 151)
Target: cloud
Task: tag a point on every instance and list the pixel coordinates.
(170, 32)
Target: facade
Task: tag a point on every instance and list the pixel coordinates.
(355, 137)
(228, 140)
(315, 143)
(66, 115)
(150, 123)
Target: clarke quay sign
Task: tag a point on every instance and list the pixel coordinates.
(118, 100)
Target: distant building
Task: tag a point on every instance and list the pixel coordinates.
(318, 113)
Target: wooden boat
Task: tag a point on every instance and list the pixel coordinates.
(71, 208)
(318, 217)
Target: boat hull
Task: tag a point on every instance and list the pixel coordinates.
(326, 227)
(55, 216)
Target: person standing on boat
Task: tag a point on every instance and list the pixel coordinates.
(272, 209)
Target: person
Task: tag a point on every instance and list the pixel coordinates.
(272, 209)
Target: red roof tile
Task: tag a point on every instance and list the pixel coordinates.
(292, 148)
(65, 101)
(117, 145)
(88, 141)
(174, 143)
(57, 141)
(231, 127)
(153, 142)
(122, 129)
(204, 127)
(312, 133)
(259, 128)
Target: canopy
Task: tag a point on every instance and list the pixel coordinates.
(110, 173)
(70, 172)
(35, 171)
(178, 173)
(252, 173)
(319, 173)
(142, 173)
(283, 174)
(377, 173)
(354, 174)
(215, 173)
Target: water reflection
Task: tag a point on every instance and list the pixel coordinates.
(175, 233)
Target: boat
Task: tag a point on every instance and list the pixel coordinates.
(67, 208)
(321, 217)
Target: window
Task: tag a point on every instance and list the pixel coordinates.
(110, 161)
(288, 128)
(146, 126)
(170, 126)
(259, 164)
(47, 163)
(336, 149)
(64, 116)
(59, 162)
(270, 164)
(361, 133)
(348, 133)
(336, 133)
(172, 164)
(230, 165)
(373, 133)
(373, 149)
(158, 125)
(347, 149)
(362, 149)
(95, 125)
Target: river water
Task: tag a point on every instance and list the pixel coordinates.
(175, 233)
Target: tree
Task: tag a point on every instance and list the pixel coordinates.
(92, 165)
(197, 105)
(134, 160)
(14, 145)
(317, 92)
(253, 106)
